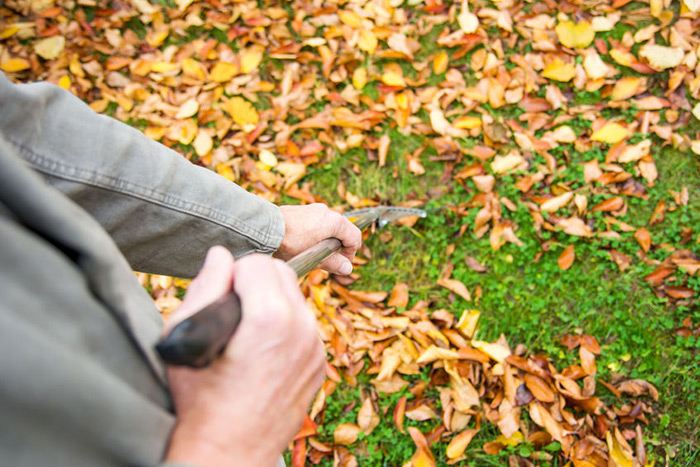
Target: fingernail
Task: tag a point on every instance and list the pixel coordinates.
(345, 268)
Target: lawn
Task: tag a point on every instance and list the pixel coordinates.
(554, 147)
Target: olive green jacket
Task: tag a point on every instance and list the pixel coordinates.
(84, 200)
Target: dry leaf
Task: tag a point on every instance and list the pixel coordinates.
(457, 287)
(346, 434)
(188, 109)
(661, 57)
(399, 296)
(459, 443)
(557, 70)
(468, 22)
(14, 65)
(223, 72)
(50, 48)
(241, 111)
(612, 133)
(566, 258)
(575, 35)
(558, 202)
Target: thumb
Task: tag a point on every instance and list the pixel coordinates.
(213, 281)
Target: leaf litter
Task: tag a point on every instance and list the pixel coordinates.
(261, 92)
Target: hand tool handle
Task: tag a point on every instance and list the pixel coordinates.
(202, 337)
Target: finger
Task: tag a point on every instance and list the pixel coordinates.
(347, 233)
(213, 281)
(337, 264)
(258, 284)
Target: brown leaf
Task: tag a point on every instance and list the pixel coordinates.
(675, 291)
(643, 237)
(611, 204)
(422, 457)
(457, 287)
(622, 260)
(590, 343)
(659, 213)
(459, 443)
(346, 433)
(399, 296)
(587, 360)
(474, 264)
(566, 258)
(399, 412)
(658, 275)
(638, 387)
(571, 341)
(539, 388)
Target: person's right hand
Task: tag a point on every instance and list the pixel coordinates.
(248, 404)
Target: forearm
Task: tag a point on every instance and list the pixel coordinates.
(163, 212)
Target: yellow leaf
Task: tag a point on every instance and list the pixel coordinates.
(188, 131)
(267, 157)
(359, 78)
(612, 133)
(696, 111)
(440, 63)
(225, 171)
(241, 111)
(392, 78)
(575, 35)
(156, 39)
(594, 66)
(203, 143)
(14, 64)
(251, 58)
(459, 443)
(350, 18)
(557, 202)
(346, 433)
(622, 57)
(434, 352)
(223, 72)
(619, 456)
(468, 322)
(164, 67)
(559, 71)
(50, 48)
(368, 41)
(467, 122)
(64, 81)
(468, 22)
(193, 68)
(626, 87)
(494, 350)
(188, 109)
(661, 57)
(8, 32)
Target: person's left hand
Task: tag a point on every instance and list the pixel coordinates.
(305, 226)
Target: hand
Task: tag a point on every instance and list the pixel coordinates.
(246, 406)
(305, 226)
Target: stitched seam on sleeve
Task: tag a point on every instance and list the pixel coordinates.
(169, 201)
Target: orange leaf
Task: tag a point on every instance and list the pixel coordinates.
(459, 443)
(590, 343)
(566, 259)
(539, 388)
(643, 237)
(610, 204)
(659, 213)
(399, 412)
(457, 287)
(346, 433)
(299, 453)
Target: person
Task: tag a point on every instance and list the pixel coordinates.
(84, 201)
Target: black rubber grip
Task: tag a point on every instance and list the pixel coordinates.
(198, 340)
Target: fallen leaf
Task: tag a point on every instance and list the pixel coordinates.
(457, 287)
(539, 388)
(575, 35)
(468, 22)
(662, 57)
(399, 295)
(241, 111)
(346, 433)
(50, 48)
(557, 70)
(251, 58)
(643, 237)
(558, 202)
(14, 65)
(188, 109)
(626, 87)
(612, 133)
(566, 258)
(223, 72)
(638, 387)
(459, 443)
(611, 204)
(367, 418)
(203, 143)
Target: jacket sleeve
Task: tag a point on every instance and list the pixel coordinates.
(162, 211)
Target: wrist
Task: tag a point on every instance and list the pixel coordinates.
(194, 446)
